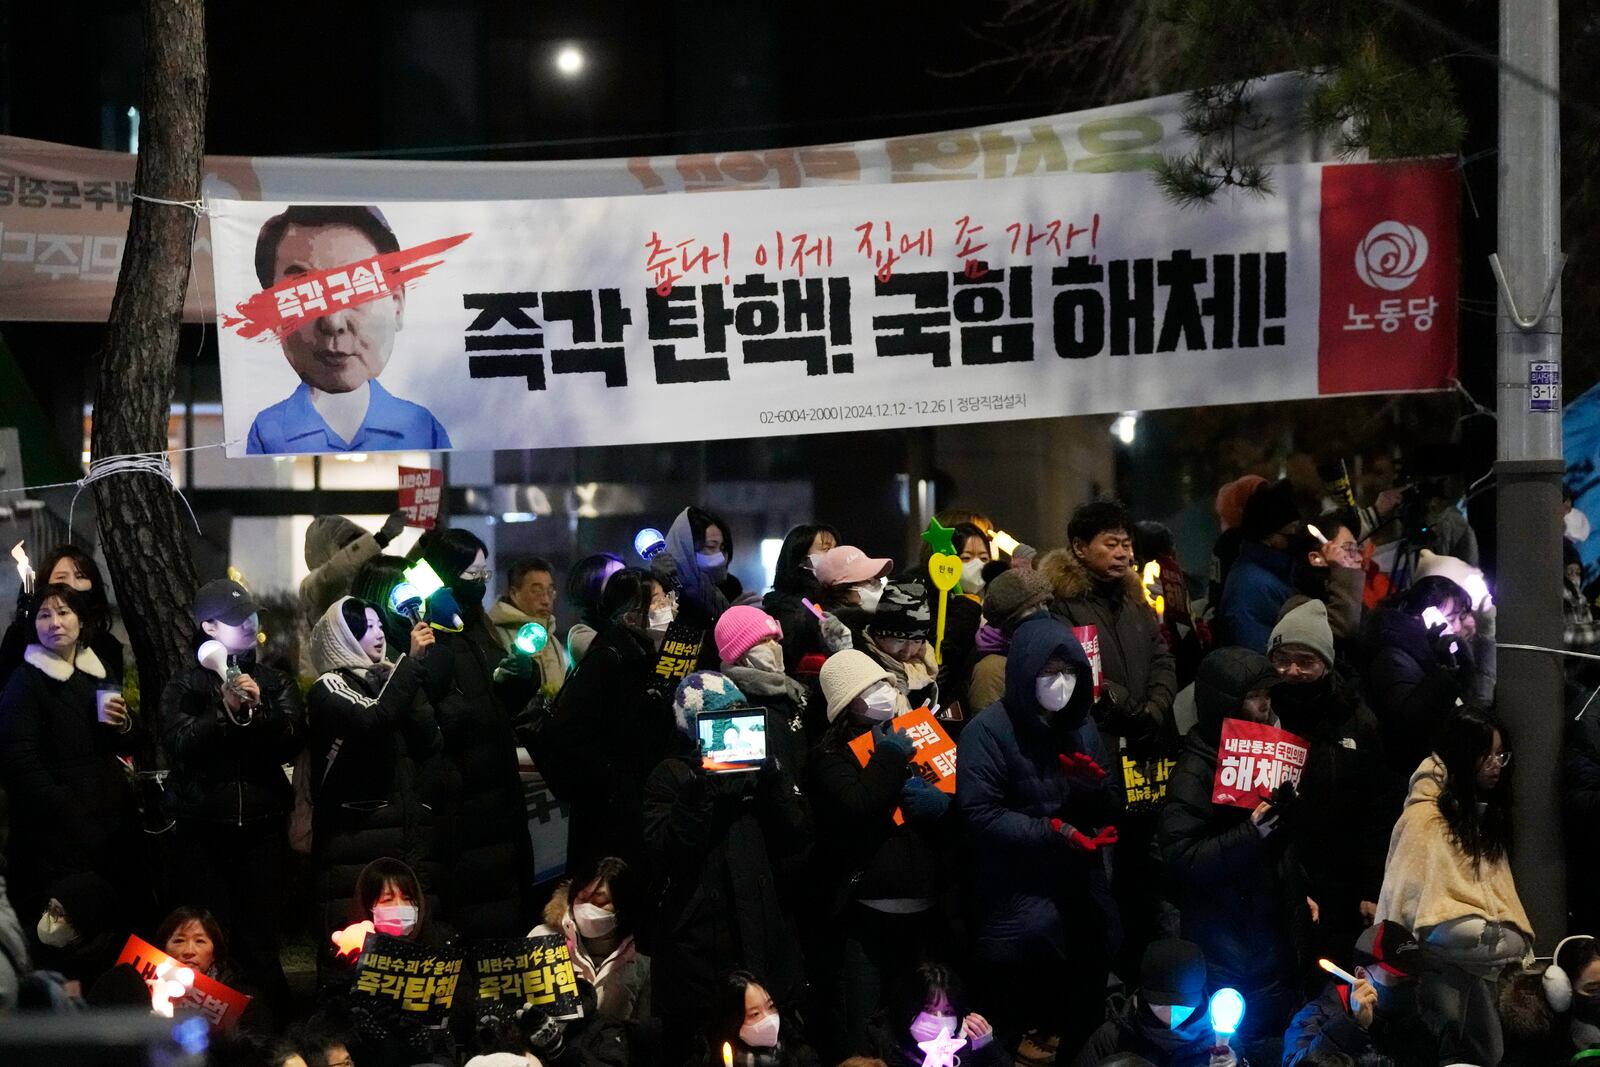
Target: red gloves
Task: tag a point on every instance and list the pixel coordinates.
(1081, 841)
(1082, 769)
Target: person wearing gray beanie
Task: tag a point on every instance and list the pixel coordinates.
(1347, 805)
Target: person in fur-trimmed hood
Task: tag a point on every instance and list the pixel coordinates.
(597, 912)
(1096, 585)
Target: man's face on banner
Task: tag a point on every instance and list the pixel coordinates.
(346, 349)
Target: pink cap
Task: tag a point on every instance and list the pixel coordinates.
(847, 565)
(742, 628)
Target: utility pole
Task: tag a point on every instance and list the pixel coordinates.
(1529, 466)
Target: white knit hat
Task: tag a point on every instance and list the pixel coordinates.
(1459, 571)
(845, 676)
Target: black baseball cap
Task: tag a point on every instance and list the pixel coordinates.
(227, 602)
(1390, 946)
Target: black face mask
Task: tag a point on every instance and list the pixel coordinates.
(1586, 1008)
(1302, 703)
(469, 592)
(1402, 1001)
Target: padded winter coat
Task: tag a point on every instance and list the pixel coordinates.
(1034, 893)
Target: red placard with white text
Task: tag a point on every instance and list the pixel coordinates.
(1089, 638)
(421, 490)
(220, 1004)
(1253, 759)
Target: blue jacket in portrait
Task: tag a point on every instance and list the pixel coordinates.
(390, 425)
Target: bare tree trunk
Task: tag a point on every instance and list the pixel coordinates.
(151, 567)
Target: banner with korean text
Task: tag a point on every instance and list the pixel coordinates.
(64, 209)
(617, 320)
(1253, 759)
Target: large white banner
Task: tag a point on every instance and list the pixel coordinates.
(64, 209)
(613, 320)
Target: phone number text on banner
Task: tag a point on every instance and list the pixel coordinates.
(526, 324)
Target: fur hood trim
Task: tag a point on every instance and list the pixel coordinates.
(1071, 579)
(58, 669)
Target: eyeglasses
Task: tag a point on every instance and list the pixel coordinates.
(1497, 760)
(470, 576)
(346, 1062)
(1305, 661)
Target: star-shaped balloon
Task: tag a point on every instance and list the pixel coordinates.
(941, 1051)
(939, 538)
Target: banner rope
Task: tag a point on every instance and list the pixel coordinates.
(152, 463)
(197, 206)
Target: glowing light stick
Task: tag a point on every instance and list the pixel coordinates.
(531, 639)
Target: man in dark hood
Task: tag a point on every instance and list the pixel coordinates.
(1166, 1020)
(335, 549)
(1041, 811)
(1239, 886)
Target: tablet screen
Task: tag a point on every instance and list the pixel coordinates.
(732, 740)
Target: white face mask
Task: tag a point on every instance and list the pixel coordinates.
(762, 1033)
(926, 1027)
(1054, 691)
(880, 702)
(972, 576)
(710, 561)
(869, 596)
(1576, 526)
(396, 920)
(660, 619)
(764, 658)
(1174, 1015)
(57, 933)
(592, 920)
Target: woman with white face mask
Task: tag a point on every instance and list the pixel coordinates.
(880, 831)
(593, 911)
(900, 638)
(749, 642)
(929, 1004)
(373, 735)
(753, 1026)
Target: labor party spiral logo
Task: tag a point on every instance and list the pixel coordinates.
(1391, 255)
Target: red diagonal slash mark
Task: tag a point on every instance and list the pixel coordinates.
(305, 298)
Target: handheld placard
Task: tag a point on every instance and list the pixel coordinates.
(946, 574)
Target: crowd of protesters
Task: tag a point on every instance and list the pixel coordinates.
(1076, 892)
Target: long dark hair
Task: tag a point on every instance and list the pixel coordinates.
(727, 1009)
(626, 597)
(1466, 738)
(793, 573)
(586, 582)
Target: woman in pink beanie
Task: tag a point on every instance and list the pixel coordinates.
(750, 643)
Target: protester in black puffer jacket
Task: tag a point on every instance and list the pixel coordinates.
(227, 745)
(1349, 801)
(372, 735)
(715, 843)
(1239, 887)
(480, 797)
(1414, 672)
(70, 805)
(880, 884)
(607, 728)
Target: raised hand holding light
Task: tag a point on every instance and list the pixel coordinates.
(1227, 1012)
(531, 639)
(406, 601)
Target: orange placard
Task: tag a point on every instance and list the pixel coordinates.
(220, 1004)
(935, 758)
